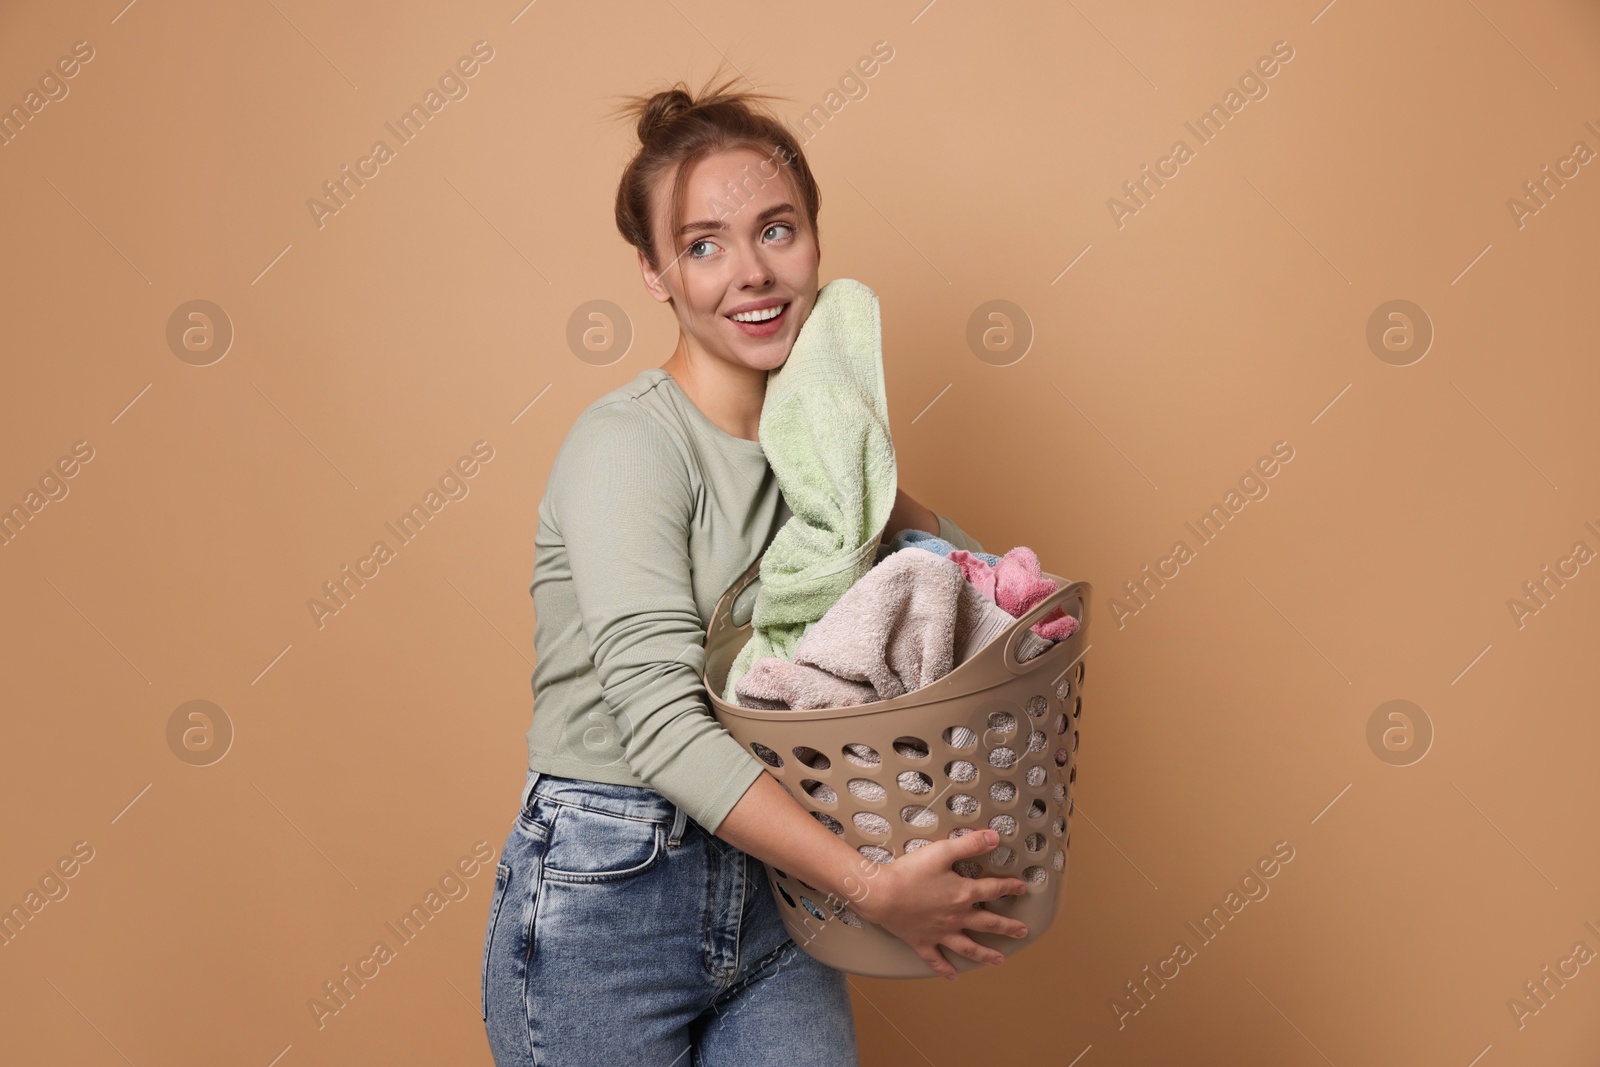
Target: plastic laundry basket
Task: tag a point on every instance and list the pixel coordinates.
(993, 744)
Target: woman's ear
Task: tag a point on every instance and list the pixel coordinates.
(652, 280)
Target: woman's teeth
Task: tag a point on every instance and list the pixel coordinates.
(759, 316)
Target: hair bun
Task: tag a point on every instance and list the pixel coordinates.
(663, 108)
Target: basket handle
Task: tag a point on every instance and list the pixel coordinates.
(1077, 592)
(723, 612)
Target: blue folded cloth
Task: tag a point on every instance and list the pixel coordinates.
(925, 540)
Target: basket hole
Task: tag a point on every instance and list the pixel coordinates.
(1037, 706)
(777, 872)
(962, 804)
(865, 789)
(1004, 825)
(918, 815)
(766, 755)
(914, 782)
(805, 902)
(959, 737)
(1074, 740)
(1077, 707)
(1036, 776)
(862, 755)
(1002, 856)
(1071, 803)
(820, 791)
(1036, 810)
(1002, 722)
(787, 899)
(1058, 827)
(1003, 792)
(914, 844)
(1059, 860)
(1061, 759)
(911, 747)
(1061, 722)
(1034, 843)
(808, 885)
(871, 823)
(1002, 757)
(829, 821)
(968, 868)
(1037, 741)
(1031, 875)
(1072, 775)
(848, 917)
(876, 854)
(811, 758)
(960, 831)
(1063, 688)
(1059, 791)
(1081, 665)
(959, 770)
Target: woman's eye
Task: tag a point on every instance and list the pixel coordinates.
(695, 255)
(780, 226)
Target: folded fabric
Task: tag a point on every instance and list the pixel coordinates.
(910, 538)
(825, 431)
(1016, 584)
(910, 621)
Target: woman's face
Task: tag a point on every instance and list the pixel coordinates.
(745, 241)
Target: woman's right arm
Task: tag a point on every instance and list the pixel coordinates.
(917, 897)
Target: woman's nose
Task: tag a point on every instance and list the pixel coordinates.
(756, 271)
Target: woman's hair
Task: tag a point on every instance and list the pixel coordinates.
(676, 129)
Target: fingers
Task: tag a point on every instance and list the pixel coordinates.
(991, 923)
(969, 948)
(977, 844)
(937, 963)
(995, 888)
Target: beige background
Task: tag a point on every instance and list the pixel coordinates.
(1230, 312)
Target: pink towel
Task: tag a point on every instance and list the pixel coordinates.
(1015, 583)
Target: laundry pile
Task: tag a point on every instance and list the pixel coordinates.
(839, 618)
(922, 611)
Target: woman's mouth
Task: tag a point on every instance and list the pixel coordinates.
(765, 326)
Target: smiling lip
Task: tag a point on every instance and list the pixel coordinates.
(763, 329)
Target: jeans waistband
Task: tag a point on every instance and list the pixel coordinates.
(627, 801)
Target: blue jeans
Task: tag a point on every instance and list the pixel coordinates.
(621, 932)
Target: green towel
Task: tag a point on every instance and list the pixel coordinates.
(825, 429)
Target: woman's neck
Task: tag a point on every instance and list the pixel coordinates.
(730, 396)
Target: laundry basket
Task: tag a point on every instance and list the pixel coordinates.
(993, 744)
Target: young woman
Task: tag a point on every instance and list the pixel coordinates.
(631, 920)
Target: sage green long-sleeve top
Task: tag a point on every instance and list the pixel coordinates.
(650, 513)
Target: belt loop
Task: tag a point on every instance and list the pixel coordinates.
(527, 789)
(680, 820)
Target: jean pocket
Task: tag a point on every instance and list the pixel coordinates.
(588, 846)
(502, 879)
